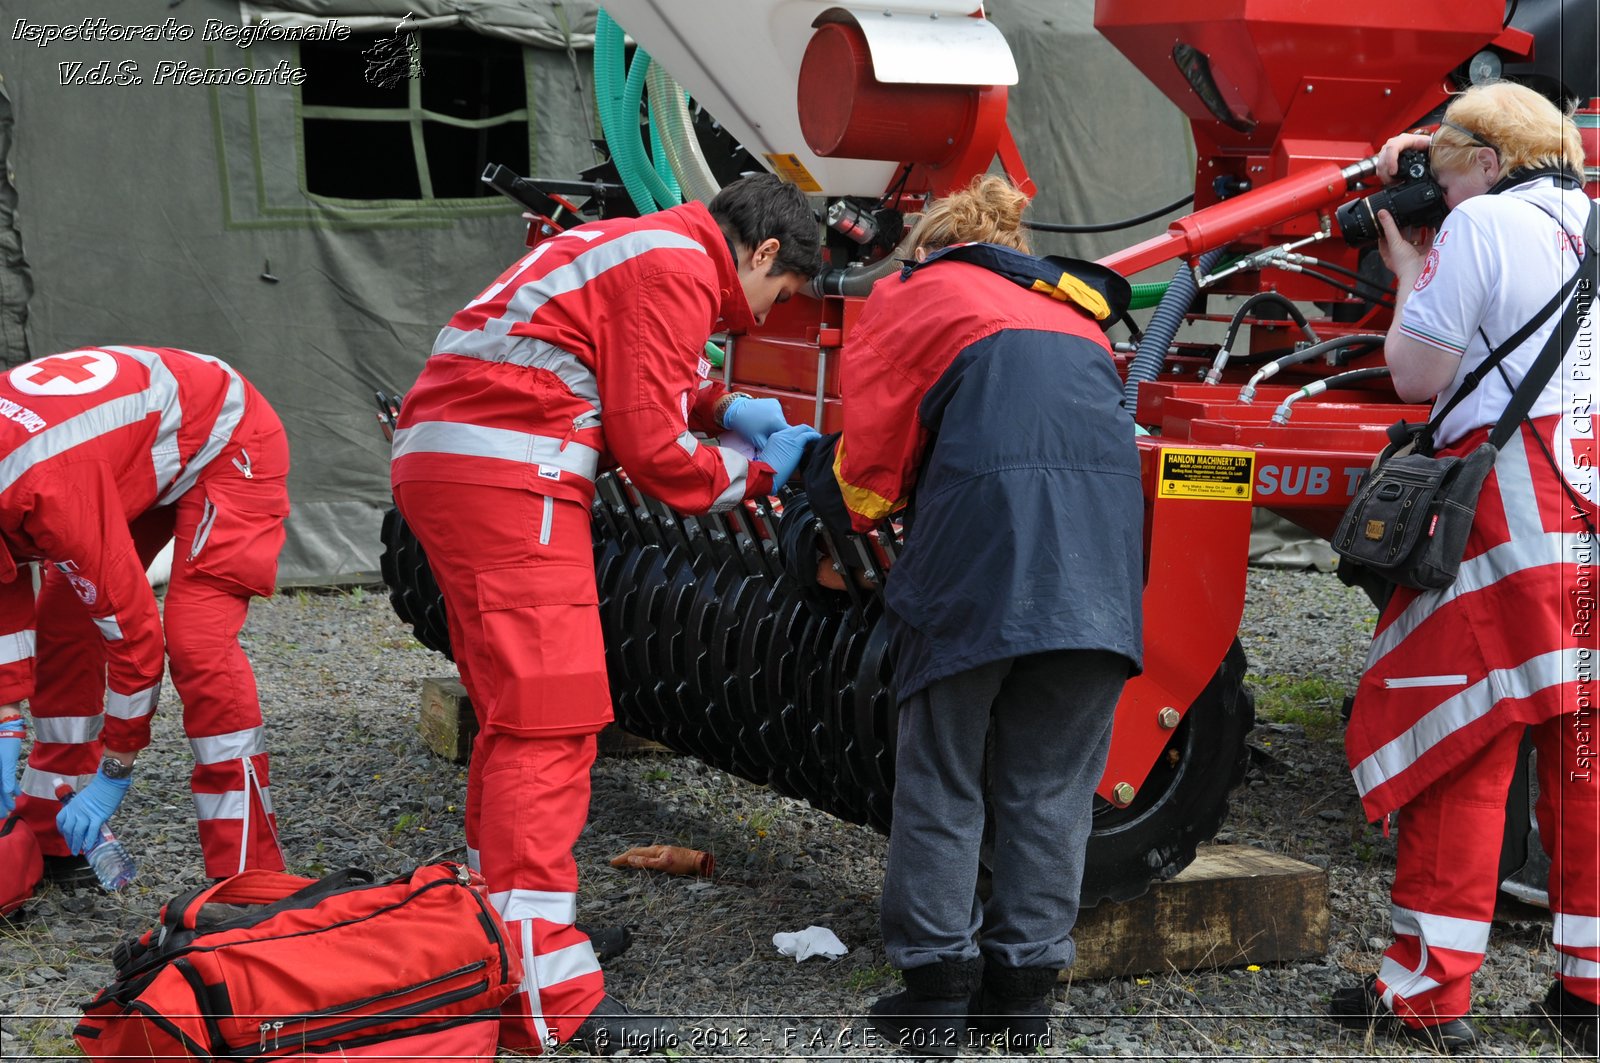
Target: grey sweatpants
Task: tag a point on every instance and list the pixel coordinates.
(1052, 727)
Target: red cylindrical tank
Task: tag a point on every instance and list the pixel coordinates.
(846, 112)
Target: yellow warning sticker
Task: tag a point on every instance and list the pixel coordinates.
(791, 169)
(1221, 474)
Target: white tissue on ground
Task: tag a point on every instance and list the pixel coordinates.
(812, 941)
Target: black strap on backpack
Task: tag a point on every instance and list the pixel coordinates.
(1544, 366)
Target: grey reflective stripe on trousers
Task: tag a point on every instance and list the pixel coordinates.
(214, 749)
(67, 730)
(493, 344)
(449, 437)
(42, 784)
(230, 805)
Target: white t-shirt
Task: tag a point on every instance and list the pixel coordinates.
(1495, 263)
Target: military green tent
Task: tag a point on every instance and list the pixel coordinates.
(292, 201)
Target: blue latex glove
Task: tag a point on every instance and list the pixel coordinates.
(755, 419)
(784, 451)
(10, 755)
(80, 820)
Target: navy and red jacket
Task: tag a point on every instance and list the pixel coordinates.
(981, 401)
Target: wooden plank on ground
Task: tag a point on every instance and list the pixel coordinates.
(1234, 905)
(446, 722)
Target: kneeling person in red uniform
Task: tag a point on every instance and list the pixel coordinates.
(588, 348)
(107, 454)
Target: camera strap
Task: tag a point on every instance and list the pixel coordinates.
(1544, 366)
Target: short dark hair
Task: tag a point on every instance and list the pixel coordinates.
(762, 206)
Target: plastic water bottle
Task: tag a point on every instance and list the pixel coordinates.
(109, 859)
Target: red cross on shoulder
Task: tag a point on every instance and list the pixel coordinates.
(72, 367)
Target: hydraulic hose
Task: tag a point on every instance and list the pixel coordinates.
(670, 114)
(658, 151)
(860, 281)
(1283, 412)
(1247, 394)
(1224, 352)
(610, 92)
(1147, 295)
(1163, 326)
(628, 131)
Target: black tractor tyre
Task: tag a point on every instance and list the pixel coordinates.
(412, 589)
(1183, 800)
(1180, 804)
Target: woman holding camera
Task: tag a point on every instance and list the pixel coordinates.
(1455, 676)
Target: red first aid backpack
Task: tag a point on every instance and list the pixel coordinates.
(270, 966)
(21, 866)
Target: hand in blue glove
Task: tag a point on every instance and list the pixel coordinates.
(784, 451)
(10, 754)
(80, 820)
(755, 419)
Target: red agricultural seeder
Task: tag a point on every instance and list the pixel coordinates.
(719, 641)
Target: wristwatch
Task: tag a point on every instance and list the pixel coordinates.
(112, 768)
(720, 410)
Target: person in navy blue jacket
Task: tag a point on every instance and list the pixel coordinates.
(982, 405)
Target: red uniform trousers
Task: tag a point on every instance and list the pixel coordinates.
(1448, 857)
(229, 531)
(516, 569)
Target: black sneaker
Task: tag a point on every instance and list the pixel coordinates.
(612, 1030)
(609, 941)
(69, 873)
(1573, 1018)
(1360, 1007)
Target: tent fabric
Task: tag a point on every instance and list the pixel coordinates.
(178, 214)
(536, 23)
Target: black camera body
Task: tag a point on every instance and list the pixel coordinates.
(1415, 200)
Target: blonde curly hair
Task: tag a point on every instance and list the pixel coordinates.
(989, 210)
(1525, 129)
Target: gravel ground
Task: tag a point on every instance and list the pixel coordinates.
(355, 786)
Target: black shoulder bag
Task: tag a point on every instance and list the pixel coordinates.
(1409, 520)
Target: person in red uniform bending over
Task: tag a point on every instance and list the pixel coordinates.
(588, 348)
(106, 454)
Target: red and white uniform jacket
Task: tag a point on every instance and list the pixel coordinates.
(590, 346)
(90, 439)
(1513, 640)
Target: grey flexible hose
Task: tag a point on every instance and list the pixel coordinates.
(1169, 314)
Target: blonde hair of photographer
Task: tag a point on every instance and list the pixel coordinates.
(989, 211)
(1528, 130)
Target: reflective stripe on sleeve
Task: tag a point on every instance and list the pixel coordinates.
(222, 430)
(738, 467)
(214, 749)
(67, 730)
(17, 646)
(688, 442)
(110, 630)
(75, 431)
(132, 706)
(449, 437)
(536, 904)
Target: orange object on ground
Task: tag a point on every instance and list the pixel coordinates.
(673, 859)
